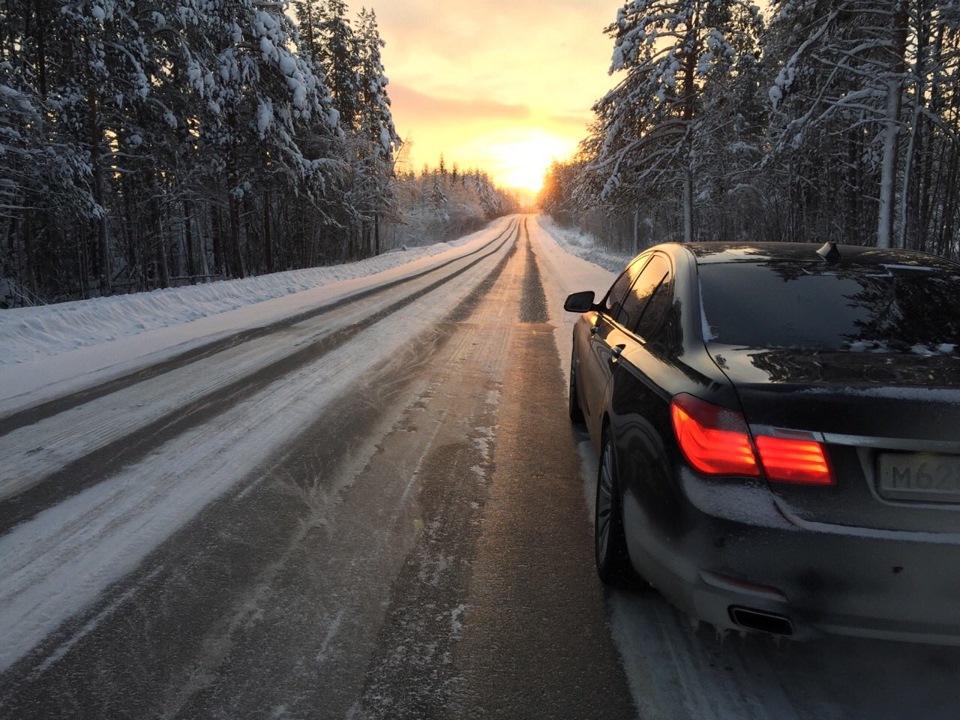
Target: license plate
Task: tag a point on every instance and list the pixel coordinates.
(919, 476)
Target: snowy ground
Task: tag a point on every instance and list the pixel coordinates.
(54, 349)
(584, 246)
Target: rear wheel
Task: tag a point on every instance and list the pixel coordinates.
(613, 561)
(574, 409)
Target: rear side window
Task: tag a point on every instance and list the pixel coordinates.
(882, 308)
(618, 292)
(636, 307)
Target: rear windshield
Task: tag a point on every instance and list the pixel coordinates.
(883, 308)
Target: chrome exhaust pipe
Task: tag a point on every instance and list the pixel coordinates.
(761, 621)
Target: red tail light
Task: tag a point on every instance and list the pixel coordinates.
(716, 441)
(797, 461)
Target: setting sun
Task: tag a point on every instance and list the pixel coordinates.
(518, 158)
(473, 83)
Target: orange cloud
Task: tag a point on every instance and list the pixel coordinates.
(414, 106)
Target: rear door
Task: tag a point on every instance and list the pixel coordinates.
(595, 358)
(645, 377)
(615, 333)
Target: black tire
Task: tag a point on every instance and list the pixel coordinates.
(610, 544)
(573, 401)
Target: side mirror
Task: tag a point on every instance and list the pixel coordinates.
(580, 302)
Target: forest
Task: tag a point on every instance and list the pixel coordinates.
(152, 143)
(808, 120)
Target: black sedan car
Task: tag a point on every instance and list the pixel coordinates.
(778, 428)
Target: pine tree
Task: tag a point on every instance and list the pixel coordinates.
(141, 142)
(339, 57)
(88, 63)
(261, 103)
(845, 77)
(730, 139)
(856, 79)
(376, 119)
(670, 51)
(310, 31)
(376, 136)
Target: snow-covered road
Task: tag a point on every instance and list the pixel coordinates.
(238, 500)
(61, 558)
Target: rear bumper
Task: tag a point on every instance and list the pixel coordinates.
(731, 547)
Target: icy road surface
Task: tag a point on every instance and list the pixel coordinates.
(353, 494)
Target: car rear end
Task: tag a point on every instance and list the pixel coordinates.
(829, 500)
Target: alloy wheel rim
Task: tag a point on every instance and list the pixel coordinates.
(604, 503)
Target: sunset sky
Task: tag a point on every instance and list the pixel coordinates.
(501, 85)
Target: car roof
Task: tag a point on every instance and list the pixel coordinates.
(707, 253)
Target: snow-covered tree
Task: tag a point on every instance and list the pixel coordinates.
(929, 212)
(435, 207)
(310, 31)
(339, 56)
(669, 53)
(375, 130)
(260, 100)
(375, 120)
(863, 84)
(86, 62)
(138, 136)
(844, 125)
(729, 139)
(845, 78)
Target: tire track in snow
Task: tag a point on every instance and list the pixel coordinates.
(131, 445)
(35, 414)
(213, 607)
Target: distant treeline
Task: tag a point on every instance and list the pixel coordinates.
(148, 143)
(818, 120)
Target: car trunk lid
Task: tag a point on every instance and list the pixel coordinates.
(889, 423)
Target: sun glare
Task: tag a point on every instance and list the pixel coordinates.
(520, 158)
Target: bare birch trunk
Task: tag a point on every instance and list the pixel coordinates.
(891, 134)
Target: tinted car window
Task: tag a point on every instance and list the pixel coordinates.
(617, 293)
(637, 313)
(879, 308)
